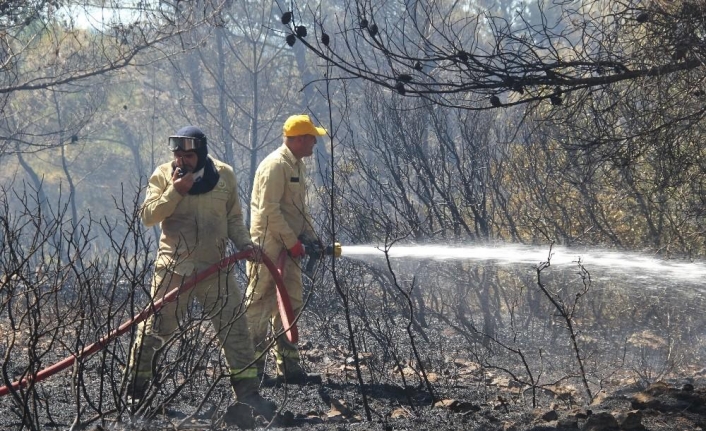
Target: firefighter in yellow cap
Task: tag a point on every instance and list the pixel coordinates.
(279, 220)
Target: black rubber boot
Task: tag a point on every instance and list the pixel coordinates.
(290, 371)
(137, 388)
(240, 415)
(266, 381)
(246, 392)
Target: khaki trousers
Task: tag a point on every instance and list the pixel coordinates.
(220, 298)
(262, 310)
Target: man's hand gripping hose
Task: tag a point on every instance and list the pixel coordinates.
(315, 250)
(285, 308)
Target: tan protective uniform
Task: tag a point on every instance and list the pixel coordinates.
(195, 233)
(278, 217)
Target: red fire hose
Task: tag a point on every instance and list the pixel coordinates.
(285, 309)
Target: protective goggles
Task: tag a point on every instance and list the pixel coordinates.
(185, 143)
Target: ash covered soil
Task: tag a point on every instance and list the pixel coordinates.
(465, 396)
(466, 383)
(478, 401)
(472, 403)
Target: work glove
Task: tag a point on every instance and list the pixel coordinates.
(297, 250)
(256, 255)
(314, 244)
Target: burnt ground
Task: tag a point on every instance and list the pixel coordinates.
(667, 391)
(495, 404)
(466, 397)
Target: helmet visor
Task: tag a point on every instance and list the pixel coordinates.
(184, 143)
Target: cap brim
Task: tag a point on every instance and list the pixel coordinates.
(320, 131)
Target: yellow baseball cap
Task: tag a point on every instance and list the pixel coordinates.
(298, 125)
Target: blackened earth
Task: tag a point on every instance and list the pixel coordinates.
(452, 393)
(465, 397)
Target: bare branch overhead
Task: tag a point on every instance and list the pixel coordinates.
(459, 55)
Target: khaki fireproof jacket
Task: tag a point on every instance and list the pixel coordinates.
(278, 210)
(195, 228)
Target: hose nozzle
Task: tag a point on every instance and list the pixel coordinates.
(333, 250)
(315, 251)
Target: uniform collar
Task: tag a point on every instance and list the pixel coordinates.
(198, 175)
(288, 155)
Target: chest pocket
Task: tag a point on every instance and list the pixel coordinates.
(219, 201)
(296, 191)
